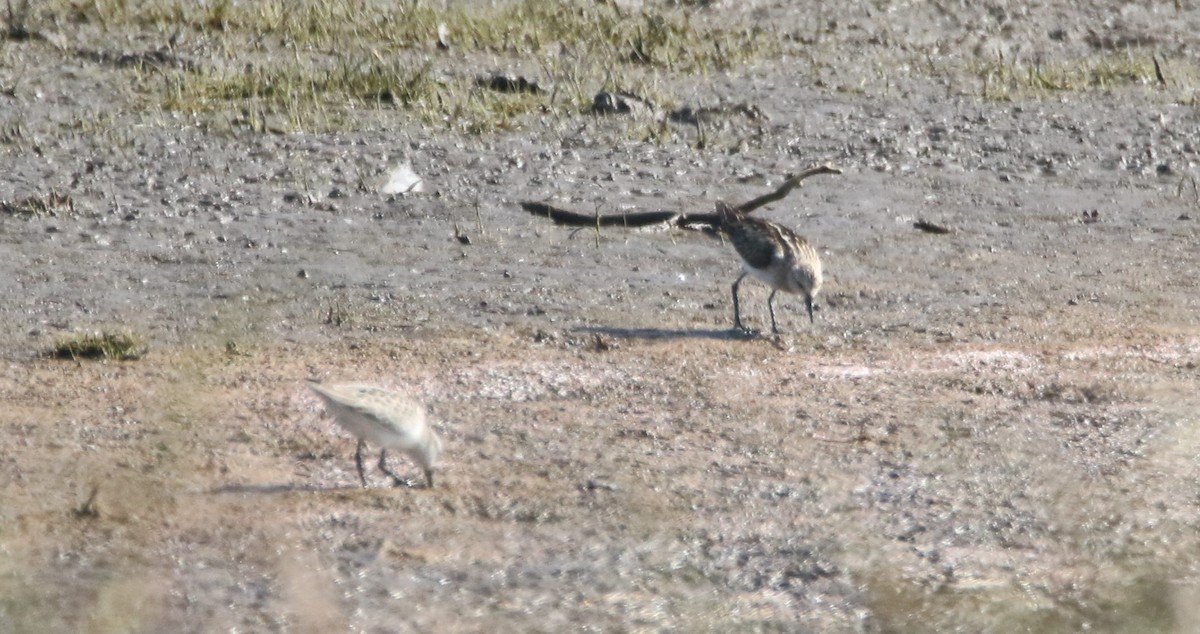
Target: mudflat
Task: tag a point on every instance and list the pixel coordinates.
(988, 429)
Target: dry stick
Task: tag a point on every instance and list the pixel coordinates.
(786, 188)
(929, 227)
(792, 182)
(1179, 191)
(88, 508)
(597, 215)
(478, 215)
(573, 219)
(649, 218)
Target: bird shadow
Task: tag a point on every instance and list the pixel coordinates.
(272, 489)
(667, 334)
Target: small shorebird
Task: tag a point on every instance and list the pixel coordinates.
(385, 418)
(775, 255)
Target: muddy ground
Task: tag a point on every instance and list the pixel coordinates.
(994, 429)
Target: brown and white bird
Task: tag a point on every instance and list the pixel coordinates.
(385, 418)
(775, 255)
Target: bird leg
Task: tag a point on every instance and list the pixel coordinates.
(771, 309)
(737, 310)
(429, 478)
(362, 475)
(384, 468)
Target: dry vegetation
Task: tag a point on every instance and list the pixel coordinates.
(311, 62)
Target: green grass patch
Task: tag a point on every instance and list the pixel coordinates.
(305, 92)
(1005, 80)
(653, 35)
(35, 206)
(315, 98)
(314, 61)
(116, 346)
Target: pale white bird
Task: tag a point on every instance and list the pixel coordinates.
(401, 179)
(385, 418)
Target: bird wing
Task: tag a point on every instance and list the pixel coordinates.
(368, 401)
(756, 241)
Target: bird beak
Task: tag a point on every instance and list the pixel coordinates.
(808, 302)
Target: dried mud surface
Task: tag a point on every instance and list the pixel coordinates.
(994, 429)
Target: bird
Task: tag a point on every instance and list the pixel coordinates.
(775, 255)
(386, 418)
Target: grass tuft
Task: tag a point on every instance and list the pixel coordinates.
(315, 61)
(116, 346)
(35, 206)
(1003, 81)
(16, 21)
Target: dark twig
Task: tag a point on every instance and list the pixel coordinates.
(929, 227)
(573, 219)
(786, 188)
(89, 508)
(675, 218)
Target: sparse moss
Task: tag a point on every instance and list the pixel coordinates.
(117, 346)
